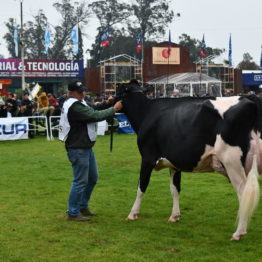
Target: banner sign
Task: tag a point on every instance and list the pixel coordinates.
(252, 79)
(124, 125)
(166, 55)
(42, 68)
(13, 128)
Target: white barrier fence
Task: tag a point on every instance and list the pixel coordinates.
(39, 124)
(54, 125)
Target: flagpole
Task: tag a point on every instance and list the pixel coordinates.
(261, 58)
(22, 47)
(202, 55)
(142, 57)
(200, 78)
(167, 74)
(168, 55)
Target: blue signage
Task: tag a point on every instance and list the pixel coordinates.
(124, 125)
(15, 129)
(252, 79)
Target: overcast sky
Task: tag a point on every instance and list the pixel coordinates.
(215, 19)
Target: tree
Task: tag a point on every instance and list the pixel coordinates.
(247, 63)
(152, 17)
(35, 32)
(111, 15)
(72, 14)
(119, 44)
(9, 38)
(148, 16)
(194, 46)
(33, 37)
(110, 12)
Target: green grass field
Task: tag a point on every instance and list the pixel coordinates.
(35, 181)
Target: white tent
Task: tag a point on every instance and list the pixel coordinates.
(188, 84)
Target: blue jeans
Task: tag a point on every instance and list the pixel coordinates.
(84, 180)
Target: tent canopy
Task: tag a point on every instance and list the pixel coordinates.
(183, 78)
(189, 84)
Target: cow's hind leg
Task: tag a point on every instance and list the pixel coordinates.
(145, 173)
(248, 201)
(175, 181)
(247, 188)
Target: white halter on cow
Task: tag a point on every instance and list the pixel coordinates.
(198, 135)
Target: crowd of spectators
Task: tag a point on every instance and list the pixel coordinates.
(44, 104)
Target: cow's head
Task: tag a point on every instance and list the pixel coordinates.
(132, 87)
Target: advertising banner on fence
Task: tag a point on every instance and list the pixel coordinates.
(42, 68)
(13, 128)
(124, 125)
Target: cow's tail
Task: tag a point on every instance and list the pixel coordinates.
(250, 195)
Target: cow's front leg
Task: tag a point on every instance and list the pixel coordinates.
(145, 173)
(175, 181)
(136, 206)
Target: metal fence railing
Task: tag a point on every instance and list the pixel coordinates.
(39, 124)
(53, 125)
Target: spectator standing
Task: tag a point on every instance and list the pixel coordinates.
(175, 93)
(2, 107)
(53, 102)
(26, 106)
(2, 102)
(12, 105)
(61, 100)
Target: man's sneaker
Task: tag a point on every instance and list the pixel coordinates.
(77, 218)
(87, 212)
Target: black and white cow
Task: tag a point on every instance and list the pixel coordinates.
(197, 135)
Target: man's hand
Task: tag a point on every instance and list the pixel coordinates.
(118, 106)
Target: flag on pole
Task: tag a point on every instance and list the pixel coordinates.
(47, 39)
(105, 38)
(261, 58)
(169, 44)
(230, 52)
(203, 48)
(16, 40)
(139, 43)
(74, 38)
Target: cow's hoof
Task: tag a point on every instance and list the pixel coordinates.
(237, 237)
(174, 219)
(132, 217)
